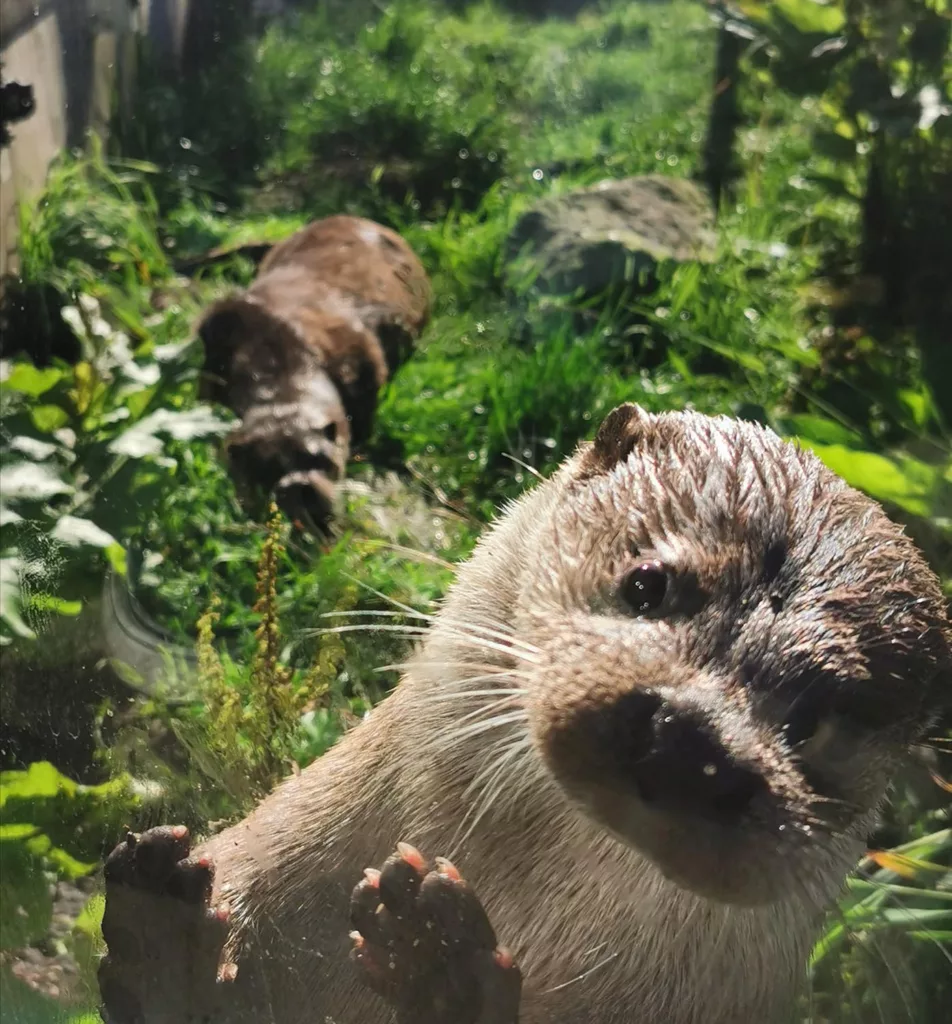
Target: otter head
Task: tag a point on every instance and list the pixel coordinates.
(294, 437)
(735, 650)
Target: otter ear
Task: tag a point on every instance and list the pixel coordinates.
(622, 430)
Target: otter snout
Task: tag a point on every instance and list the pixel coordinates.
(307, 498)
(300, 466)
(676, 763)
(683, 775)
(668, 756)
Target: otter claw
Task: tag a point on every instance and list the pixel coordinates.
(422, 940)
(164, 941)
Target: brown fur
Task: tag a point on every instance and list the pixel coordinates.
(301, 355)
(787, 590)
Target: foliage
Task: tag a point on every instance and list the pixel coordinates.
(81, 448)
(879, 77)
(249, 730)
(419, 106)
(878, 67)
(897, 913)
(50, 827)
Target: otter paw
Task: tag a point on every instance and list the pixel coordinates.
(164, 940)
(423, 941)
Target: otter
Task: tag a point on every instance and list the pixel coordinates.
(301, 356)
(653, 722)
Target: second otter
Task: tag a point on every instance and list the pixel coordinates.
(302, 354)
(653, 721)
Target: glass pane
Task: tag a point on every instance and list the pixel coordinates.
(475, 511)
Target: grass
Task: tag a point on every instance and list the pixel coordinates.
(446, 126)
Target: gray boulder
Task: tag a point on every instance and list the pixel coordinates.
(613, 233)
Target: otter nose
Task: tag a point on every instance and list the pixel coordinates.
(307, 498)
(676, 762)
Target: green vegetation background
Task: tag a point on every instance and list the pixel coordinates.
(446, 125)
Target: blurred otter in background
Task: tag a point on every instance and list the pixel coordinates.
(302, 354)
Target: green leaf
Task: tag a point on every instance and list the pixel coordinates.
(55, 605)
(903, 481)
(811, 16)
(67, 866)
(47, 418)
(918, 404)
(17, 831)
(75, 532)
(865, 885)
(90, 917)
(143, 438)
(909, 917)
(39, 780)
(116, 554)
(32, 448)
(808, 427)
(31, 482)
(29, 380)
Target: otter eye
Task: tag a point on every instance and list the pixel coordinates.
(643, 588)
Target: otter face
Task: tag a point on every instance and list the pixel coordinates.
(296, 450)
(736, 649)
(294, 437)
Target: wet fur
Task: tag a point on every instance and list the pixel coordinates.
(601, 935)
(301, 355)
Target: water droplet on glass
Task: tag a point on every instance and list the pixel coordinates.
(185, 143)
(538, 174)
(456, 183)
(709, 770)
(464, 154)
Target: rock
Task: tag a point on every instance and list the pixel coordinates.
(615, 232)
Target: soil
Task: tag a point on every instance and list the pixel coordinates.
(47, 966)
